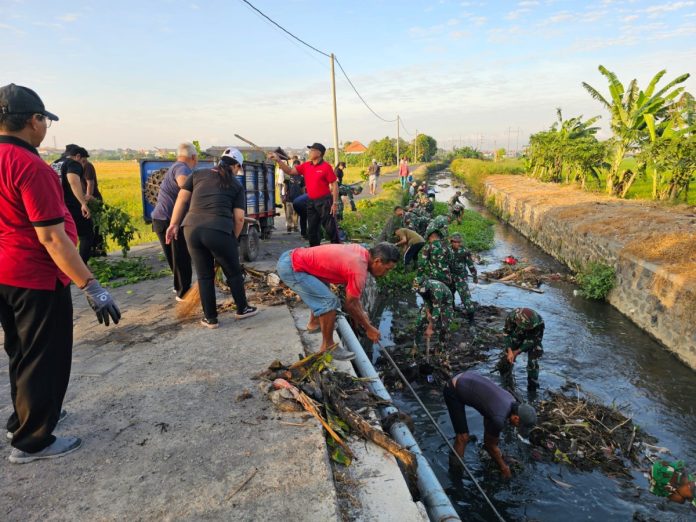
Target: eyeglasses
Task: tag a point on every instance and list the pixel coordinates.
(42, 117)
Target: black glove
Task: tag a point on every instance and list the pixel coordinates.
(101, 302)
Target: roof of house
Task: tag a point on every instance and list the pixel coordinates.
(355, 147)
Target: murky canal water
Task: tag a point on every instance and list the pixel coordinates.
(585, 342)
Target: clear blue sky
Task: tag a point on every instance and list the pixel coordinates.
(153, 73)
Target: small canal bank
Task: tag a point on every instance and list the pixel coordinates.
(651, 248)
(587, 343)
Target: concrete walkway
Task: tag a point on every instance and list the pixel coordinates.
(167, 430)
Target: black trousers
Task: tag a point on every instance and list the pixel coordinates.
(177, 255)
(208, 246)
(85, 233)
(456, 409)
(38, 327)
(411, 254)
(319, 214)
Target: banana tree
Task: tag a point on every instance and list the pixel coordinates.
(630, 110)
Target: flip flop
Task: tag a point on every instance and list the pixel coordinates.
(313, 330)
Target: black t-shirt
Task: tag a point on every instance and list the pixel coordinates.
(339, 175)
(294, 186)
(65, 166)
(212, 206)
(486, 397)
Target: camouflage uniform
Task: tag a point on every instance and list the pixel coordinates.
(440, 223)
(435, 258)
(416, 222)
(524, 330)
(424, 202)
(437, 299)
(461, 264)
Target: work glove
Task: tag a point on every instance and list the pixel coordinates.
(101, 302)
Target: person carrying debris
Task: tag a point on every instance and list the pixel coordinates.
(496, 405)
(671, 480)
(410, 243)
(436, 313)
(524, 330)
(308, 271)
(462, 264)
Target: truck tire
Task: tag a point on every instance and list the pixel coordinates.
(249, 245)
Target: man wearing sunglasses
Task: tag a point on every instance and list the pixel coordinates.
(38, 259)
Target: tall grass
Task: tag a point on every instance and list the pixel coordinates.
(474, 172)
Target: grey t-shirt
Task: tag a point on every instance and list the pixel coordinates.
(486, 397)
(211, 205)
(169, 190)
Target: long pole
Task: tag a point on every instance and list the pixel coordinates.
(335, 113)
(398, 124)
(415, 147)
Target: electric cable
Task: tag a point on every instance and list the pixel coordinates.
(444, 437)
(359, 95)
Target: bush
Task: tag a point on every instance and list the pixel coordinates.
(476, 230)
(596, 281)
(474, 172)
(114, 223)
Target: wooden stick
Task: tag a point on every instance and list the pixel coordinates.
(241, 486)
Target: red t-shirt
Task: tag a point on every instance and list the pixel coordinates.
(30, 196)
(337, 264)
(317, 178)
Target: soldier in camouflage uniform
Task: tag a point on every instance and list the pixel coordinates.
(435, 257)
(524, 330)
(456, 213)
(416, 222)
(462, 264)
(441, 223)
(436, 314)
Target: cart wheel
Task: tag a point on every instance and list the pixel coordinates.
(250, 245)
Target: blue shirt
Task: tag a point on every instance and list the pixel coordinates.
(486, 397)
(169, 190)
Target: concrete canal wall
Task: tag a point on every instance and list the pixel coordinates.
(650, 246)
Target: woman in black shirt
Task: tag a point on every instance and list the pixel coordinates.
(212, 225)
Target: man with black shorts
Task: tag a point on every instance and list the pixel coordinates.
(497, 406)
(38, 259)
(322, 188)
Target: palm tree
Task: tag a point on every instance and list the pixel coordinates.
(630, 110)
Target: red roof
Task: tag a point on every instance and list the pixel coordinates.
(355, 147)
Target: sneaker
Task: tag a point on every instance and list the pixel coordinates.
(210, 323)
(249, 311)
(341, 354)
(179, 299)
(60, 447)
(61, 418)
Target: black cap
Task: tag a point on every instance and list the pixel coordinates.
(72, 150)
(15, 99)
(317, 146)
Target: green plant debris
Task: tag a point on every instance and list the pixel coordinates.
(596, 280)
(114, 223)
(124, 271)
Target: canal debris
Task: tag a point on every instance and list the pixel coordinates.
(522, 276)
(337, 400)
(582, 433)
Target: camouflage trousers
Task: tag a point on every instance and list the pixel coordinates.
(462, 288)
(441, 326)
(505, 368)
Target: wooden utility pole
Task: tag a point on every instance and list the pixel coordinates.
(415, 147)
(398, 124)
(335, 114)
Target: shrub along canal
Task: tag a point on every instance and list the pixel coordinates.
(587, 343)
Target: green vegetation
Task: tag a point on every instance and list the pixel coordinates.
(384, 151)
(125, 271)
(474, 172)
(596, 280)
(397, 280)
(476, 230)
(113, 223)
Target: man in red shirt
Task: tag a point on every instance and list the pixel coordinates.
(322, 188)
(38, 259)
(307, 271)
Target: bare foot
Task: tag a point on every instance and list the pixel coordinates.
(312, 326)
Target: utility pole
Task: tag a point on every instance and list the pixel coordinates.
(507, 151)
(517, 142)
(335, 114)
(398, 124)
(415, 147)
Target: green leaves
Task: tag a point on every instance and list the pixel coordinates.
(120, 272)
(596, 280)
(114, 223)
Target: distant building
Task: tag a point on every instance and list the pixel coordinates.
(355, 147)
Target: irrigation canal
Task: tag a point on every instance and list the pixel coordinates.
(585, 342)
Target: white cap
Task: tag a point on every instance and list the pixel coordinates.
(234, 154)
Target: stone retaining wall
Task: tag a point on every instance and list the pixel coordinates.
(577, 228)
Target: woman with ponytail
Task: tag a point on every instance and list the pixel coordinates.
(214, 220)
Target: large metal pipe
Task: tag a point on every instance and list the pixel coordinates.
(436, 502)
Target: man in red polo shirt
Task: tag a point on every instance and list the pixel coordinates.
(38, 259)
(322, 188)
(308, 270)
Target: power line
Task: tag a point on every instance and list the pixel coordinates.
(359, 96)
(284, 29)
(404, 127)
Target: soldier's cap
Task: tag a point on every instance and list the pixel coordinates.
(15, 99)
(528, 419)
(456, 237)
